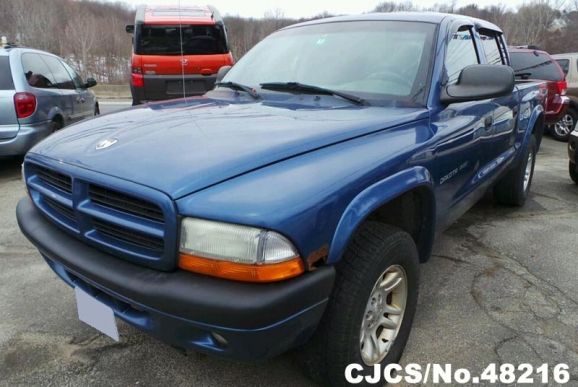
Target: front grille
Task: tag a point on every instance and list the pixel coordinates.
(128, 236)
(139, 229)
(54, 179)
(125, 203)
(67, 212)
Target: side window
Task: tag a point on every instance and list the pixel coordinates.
(565, 64)
(461, 52)
(492, 49)
(6, 82)
(37, 72)
(75, 77)
(63, 79)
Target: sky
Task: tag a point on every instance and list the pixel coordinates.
(305, 8)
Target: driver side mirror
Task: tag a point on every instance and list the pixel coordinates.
(478, 82)
(90, 82)
(129, 29)
(222, 72)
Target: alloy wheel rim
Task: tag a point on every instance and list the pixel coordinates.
(565, 125)
(383, 315)
(528, 171)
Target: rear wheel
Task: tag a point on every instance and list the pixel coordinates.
(96, 110)
(56, 125)
(369, 315)
(562, 129)
(513, 189)
(573, 172)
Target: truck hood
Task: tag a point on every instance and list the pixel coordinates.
(180, 147)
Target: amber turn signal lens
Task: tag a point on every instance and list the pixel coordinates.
(242, 272)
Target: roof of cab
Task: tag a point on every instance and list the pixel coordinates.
(205, 15)
(424, 17)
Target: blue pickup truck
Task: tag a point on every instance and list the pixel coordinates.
(292, 205)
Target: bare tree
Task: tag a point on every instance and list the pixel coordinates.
(392, 6)
(90, 33)
(533, 21)
(82, 32)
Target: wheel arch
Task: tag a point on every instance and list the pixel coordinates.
(57, 115)
(573, 104)
(538, 127)
(405, 200)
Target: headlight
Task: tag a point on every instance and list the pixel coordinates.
(237, 252)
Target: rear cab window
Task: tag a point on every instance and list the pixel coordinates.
(165, 40)
(6, 82)
(535, 65)
(491, 42)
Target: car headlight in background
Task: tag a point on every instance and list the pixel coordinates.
(237, 252)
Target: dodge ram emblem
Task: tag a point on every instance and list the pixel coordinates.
(106, 143)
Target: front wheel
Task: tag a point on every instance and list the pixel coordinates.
(513, 188)
(369, 315)
(561, 130)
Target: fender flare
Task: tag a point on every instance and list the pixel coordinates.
(537, 114)
(375, 196)
(56, 111)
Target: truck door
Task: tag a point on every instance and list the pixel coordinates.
(461, 129)
(499, 145)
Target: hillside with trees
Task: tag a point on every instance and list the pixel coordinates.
(91, 35)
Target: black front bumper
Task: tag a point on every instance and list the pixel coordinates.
(185, 309)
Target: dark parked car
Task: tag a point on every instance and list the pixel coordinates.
(534, 64)
(39, 94)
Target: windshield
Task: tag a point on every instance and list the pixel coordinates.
(379, 61)
(165, 40)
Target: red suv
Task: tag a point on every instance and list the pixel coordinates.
(177, 51)
(534, 64)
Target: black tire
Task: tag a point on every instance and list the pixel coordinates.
(510, 190)
(336, 343)
(96, 110)
(55, 125)
(573, 172)
(561, 130)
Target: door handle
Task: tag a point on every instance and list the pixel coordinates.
(488, 121)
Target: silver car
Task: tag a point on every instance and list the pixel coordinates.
(39, 94)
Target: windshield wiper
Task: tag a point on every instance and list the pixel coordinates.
(310, 89)
(239, 87)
